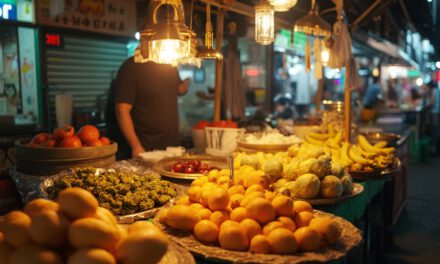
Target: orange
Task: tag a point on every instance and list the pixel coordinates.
(223, 180)
(182, 217)
(282, 241)
(308, 239)
(162, 216)
(260, 245)
(269, 195)
(303, 218)
(196, 206)
(218, 199)
(197, 182)
(301, 206)
(218, 217)
(236, 199)
(250, 197)
(228, 223)
(269, 227)
(206, 231)
(233, 238)
(288, 223)
(184, 200)
(204, 213)
(254, 188)
(204, 196)
(236, 189)
(251, 227)
(194, 193)
(239, 214)
(261, 210)
(327, 228)
(213, 175)
(283, 205)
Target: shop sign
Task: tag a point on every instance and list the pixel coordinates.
(116, 17)
(284, 40)
(8, 10)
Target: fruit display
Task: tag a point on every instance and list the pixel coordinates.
(357, 157)
(122, 193)
(248, 218)
(191, 167)
(75, 230)
(65, 137)
(305, 171)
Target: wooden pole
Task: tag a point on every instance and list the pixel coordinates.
(319, 92)
(218, 66)
(347, 107)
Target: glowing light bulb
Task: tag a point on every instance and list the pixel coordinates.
(325, 56)
(282, 5)
(419, 81)
(264, 23)
(168, 51)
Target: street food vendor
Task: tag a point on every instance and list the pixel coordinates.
(146, 104)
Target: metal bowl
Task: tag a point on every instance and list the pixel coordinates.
(390, 138)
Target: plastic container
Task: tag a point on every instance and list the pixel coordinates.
(222, 141)
(199, 139)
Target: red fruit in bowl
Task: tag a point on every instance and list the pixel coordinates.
(190, 169)
(88, 133)
(60, 133)
(40, 138)
(51, 143)
(105, 141)
(70, 142)
(178, 167)
(195, 163)
(94, 143)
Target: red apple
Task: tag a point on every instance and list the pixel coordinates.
(71, 142)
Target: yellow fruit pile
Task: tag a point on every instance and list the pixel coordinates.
(249, 218)
(75, 230)
(358, 157)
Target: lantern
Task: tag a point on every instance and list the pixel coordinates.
(282, 5)
(313, 24)
(168, 41)
(264, 23)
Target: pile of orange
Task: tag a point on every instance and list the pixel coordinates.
(249, 219)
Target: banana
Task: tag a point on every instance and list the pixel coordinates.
(364, 153)
(327, 151)
(363, 142)
(345, 159)
(336, 155)
(387, 151)
(314, 141)
(380, 144)
(356, 156)
(319, 136)
(338, 137)
(331, 131)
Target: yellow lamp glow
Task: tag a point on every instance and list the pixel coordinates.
(264, 23)
(168, 51)
(282, 5)
(325, 56)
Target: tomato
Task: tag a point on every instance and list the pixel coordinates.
(190, 169)
(94, 143)
(51, 143)
(195, 163)
(70, 142)
(60, 133)
(201, 125)
(88, 133)
(40, 138)
(178, 167)
(105, 141)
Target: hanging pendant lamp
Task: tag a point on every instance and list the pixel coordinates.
(168, 41)
(264, 23)
(208, 51)
(282, 5)
(313, 24)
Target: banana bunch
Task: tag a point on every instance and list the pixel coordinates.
(367, 157)
(359, 157)
(330, 140)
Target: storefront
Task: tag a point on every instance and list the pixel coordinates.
(83, 45)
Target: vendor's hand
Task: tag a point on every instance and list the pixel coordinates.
(136, 151)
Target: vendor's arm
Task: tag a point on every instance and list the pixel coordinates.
(125, 121)
(184, 86)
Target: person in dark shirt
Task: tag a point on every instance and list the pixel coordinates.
(146, 105)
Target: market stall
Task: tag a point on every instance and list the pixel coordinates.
(319, 192)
